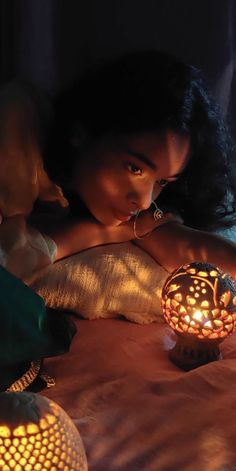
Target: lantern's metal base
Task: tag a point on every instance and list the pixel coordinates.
(189, 353)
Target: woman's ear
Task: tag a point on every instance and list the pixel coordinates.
(79, 137)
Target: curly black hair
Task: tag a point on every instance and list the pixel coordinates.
(153, 91)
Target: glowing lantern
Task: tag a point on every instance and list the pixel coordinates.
(199, 303)
(37, 435)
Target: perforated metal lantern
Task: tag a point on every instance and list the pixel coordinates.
(199, 303)
(37, 435)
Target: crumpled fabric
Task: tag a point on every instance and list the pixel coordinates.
(136, 410)
(29, 331)
(23, 249)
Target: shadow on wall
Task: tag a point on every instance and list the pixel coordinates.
(53, 41)
(199, 32)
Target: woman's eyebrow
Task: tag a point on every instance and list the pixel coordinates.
(141, 157)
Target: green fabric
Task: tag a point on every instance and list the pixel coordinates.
(28, 331)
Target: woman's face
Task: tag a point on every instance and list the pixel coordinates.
(119, 176)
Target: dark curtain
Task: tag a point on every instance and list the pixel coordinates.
(7, 33)
(51, 41)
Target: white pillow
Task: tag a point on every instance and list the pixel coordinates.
(105, 281)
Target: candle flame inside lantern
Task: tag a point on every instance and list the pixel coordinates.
(198, 316)
(200, 300)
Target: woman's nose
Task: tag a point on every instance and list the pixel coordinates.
(143, 201)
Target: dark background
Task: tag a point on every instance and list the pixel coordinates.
(52, 41)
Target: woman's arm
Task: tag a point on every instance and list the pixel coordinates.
(173, 244)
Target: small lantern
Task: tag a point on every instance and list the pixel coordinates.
(199, 303)
(37, 435)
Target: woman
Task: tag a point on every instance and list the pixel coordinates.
(143, 128)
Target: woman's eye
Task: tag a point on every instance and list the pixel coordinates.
(135, 170)
(162, 183)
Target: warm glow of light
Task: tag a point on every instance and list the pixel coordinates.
(205, 303)
(19, 431)
(43, 424)
(5, 431)
(51, 442)
(51, 419)
(32, 428)
(199, 300)
(178, 297)
(191, 301)
(198, 316)
(208, 324)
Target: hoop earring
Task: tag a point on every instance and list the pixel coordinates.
(158, 214)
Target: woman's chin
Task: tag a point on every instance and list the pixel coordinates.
(115, 223)
(109, 222)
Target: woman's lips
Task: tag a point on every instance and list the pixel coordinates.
(123, 216)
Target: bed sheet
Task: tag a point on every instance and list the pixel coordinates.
(135, 410)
